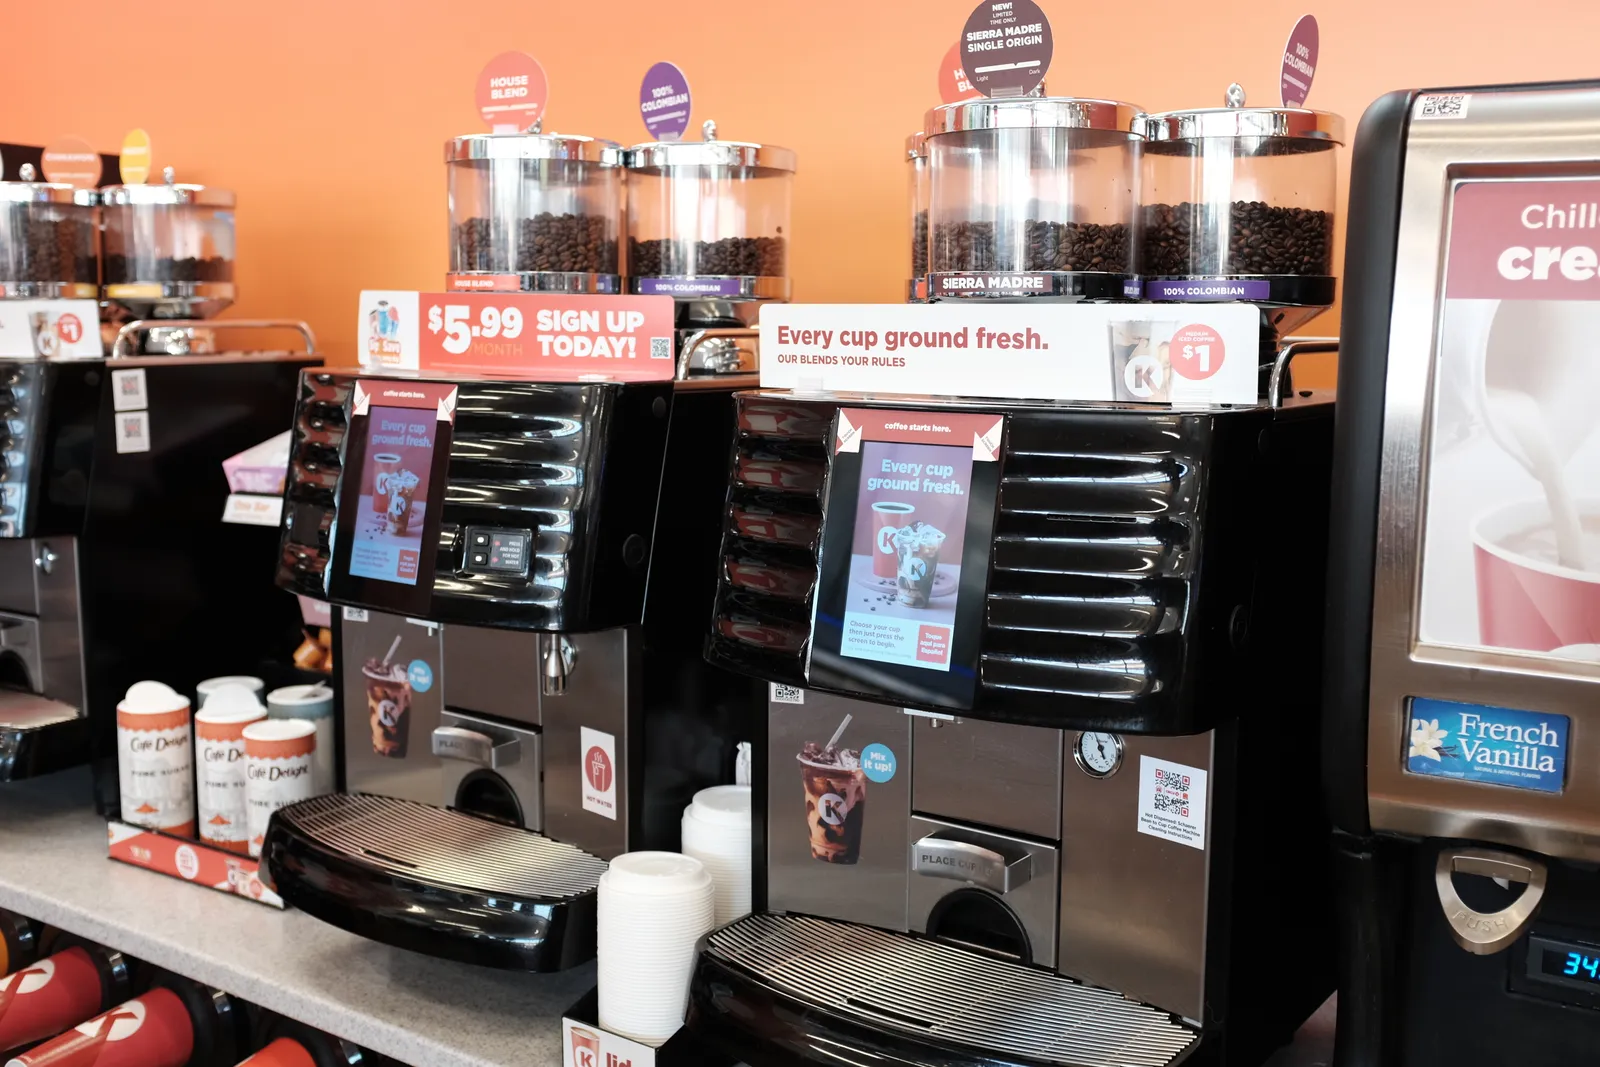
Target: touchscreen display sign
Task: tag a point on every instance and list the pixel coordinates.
(392, 491)
(905, 554)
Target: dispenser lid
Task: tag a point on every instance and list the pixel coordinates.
(1235, 120)
(656, 156)
(917, 146)
(1035, 112)
(723, 805)
(562, 146)
(167, 193)
(46, 193)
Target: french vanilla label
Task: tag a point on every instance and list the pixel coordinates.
(149, 1031)
(277, 773)
(46, 998)
(219, 746)
(155, 767)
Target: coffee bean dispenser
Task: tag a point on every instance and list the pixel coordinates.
(917, 159)
(536, 212)
(1031, 197)
(48, 249)
(1238, 203)
(710, 218)
(169, 250)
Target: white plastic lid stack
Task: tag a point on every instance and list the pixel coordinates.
(716, 831)
(151, 698)
(231, 703)
(207, 688)
(654, 908)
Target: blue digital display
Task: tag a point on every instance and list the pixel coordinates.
(1568, 963)
(1572, 964)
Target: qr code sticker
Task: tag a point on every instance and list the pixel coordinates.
(660, 348)
(787, 694)
(1443, 106)
(1174, 805)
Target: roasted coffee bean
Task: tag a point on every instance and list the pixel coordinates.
(547, 242)
(43, 250)
(1050, 246)
(1261, 239)
(919, 244)
(761, 257)
(127, 269)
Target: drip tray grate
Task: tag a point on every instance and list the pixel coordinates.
(947, 995)
(443, 847)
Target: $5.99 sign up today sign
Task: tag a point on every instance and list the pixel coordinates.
(554, 337)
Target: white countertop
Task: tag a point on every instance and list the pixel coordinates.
(416, 1009)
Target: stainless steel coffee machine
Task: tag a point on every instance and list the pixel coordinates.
(115, 564)
(513, 564)
(1039, 769)
(1463, 598)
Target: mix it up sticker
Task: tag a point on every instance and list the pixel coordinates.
(1299, 62)
(599, 755)
(1495, 746)
(511, 92)
(664, 102)
(1172, 802)
(1006, 47)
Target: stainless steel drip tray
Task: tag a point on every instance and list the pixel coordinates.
(436, 881)
(21, 710)
(881, 993)
(39, 735)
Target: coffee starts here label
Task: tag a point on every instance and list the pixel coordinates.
(1006, 47)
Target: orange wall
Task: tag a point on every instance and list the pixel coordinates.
(328, 117)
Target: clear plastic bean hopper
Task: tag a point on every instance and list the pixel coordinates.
(708, 224)
(917, 160)
(1031, 197)
(48, 249)
(535, 212)
(1238, 203)
(169, 254)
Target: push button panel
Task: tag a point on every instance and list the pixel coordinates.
(497, 550)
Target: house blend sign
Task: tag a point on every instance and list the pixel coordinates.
(1496, 746)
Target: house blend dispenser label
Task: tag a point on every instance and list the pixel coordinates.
(1497, 746)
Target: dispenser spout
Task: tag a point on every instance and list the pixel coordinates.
(559, 657)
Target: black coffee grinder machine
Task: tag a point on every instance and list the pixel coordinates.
(523, 694)
(1463, 598)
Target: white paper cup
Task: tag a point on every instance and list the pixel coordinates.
(716, 831)
(155, 759)
(314, 703)
(220, 765)
(653, 909)
(206, 688)
(278, 754)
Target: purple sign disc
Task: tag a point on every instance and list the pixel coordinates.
(1006, 47)
(1300, 62)
(664, 102)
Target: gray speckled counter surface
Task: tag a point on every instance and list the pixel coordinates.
(422, 1011)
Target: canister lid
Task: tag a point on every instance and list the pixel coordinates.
(166, 194)
(765, 159)
(1033, 112)
(563, 146)
(1165, 131)
(917, 146)
(46, 193)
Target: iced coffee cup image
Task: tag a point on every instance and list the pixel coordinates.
(402, 495)
(388, 703)
(836, 799)
(887, 519)
(917, 548)
(1529, 596)
(384, 466)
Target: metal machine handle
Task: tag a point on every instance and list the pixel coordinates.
(962, 861)
(1479, 933)
(470, 746)
(118, 347)
(736, 350)
(1291, 347)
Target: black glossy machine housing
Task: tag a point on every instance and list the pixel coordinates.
(621, 486)
(165, 589)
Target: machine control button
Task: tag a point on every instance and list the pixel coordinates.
(495, 550)
(937, 856)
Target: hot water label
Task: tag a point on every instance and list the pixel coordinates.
(599, 756)
(1497, 746)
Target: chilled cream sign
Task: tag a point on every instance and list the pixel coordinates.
(1498, 746)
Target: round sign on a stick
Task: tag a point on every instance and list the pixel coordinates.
(1300, 61)
(953, 84)
(1006, 47)
(664, 102)
(511, 92)
(71, 161)
(134, 161)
